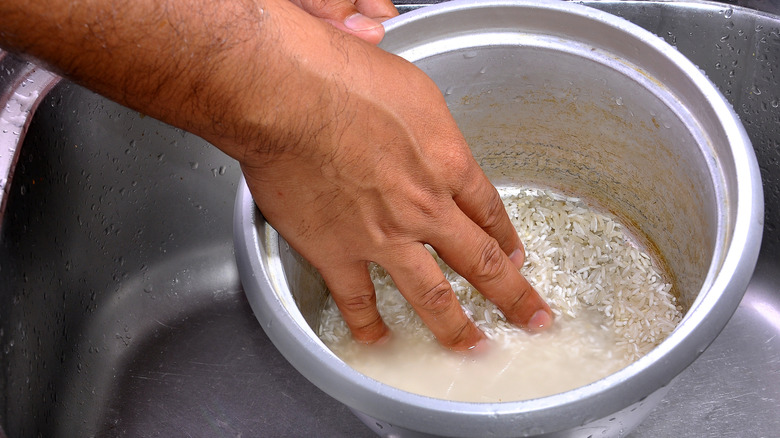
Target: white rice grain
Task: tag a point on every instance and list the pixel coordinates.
(609, 298)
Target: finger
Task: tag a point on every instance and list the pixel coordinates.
(364, 20)
(482, 204)
(379, 10)
(422, 283)
(478, 257)
(353, 292)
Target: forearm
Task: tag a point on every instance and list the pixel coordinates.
(347, 168)
(225, 70)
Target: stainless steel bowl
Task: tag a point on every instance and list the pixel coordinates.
(564, 96)
(558, 95)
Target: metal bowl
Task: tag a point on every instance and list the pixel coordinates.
(555, 95)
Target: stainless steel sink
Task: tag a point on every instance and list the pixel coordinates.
(121, 312)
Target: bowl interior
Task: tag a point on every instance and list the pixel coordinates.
(542, 111)
(554, 95)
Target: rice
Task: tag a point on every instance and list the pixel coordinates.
(611, 303)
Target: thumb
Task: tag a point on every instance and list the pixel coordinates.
(349, 17)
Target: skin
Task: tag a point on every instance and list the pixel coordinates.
(349, 168)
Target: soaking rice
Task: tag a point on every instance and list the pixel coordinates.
(611, 303)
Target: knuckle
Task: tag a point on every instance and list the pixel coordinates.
(492, 215)
(460, 339)
(490, 264)
(519, 299)
(361, 315)
(318, 5)
(428, 205)
(437, 299)
(517, 306)
(460, 163)
(358, 303)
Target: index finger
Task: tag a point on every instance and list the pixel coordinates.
(478, 257)
(480, 201)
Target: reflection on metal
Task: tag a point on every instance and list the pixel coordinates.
(22, 87)
(765, 309)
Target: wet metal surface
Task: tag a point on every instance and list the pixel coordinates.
(121, 313)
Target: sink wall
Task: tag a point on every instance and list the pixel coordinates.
(118, 228)
(121, 312)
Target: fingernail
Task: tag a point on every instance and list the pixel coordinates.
(359, 22)
(540, 321)
(517, 257)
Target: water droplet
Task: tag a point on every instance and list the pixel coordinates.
(194, 165)
(775, 103)
(619, 101)
(728, 13)
(449, 91)
(222, 170)
(730, 25)
(755, 90)
(483, 70)
(470, 55)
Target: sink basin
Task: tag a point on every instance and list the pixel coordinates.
(121, 311)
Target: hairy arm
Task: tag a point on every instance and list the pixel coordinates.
(345, 166)
(191, 63)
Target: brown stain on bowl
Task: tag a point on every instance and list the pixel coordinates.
(598, 152)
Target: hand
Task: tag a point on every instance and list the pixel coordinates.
(361, 18)
(380, 172)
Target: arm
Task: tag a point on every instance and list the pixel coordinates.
(346, 167)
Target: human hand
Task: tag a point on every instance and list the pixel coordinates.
(373, 173)
(361, 18)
